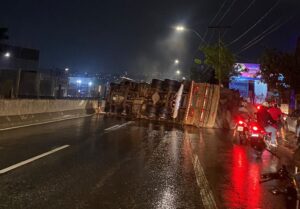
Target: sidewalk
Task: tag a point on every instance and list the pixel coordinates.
(290, 141)
(287, 149)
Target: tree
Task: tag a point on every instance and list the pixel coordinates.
(279, 70)
(221, 59)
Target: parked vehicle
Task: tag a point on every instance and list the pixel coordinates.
(289, 186)
(292, 121)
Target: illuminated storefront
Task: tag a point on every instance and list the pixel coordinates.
(248, 83)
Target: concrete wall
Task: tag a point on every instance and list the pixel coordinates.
(10, 107)
(23, 112)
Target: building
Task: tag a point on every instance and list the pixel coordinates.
(249, 83)
(46, 83)
(15, 57)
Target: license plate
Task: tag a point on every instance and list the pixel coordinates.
(255, 135)
(240, 128)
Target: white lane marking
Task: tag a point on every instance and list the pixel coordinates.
(46, 122)
(112, 127)
(5, 170)
(118, 126)
(202, 182)
(125, 124)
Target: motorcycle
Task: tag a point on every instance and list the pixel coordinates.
(257, 137)
(290, 188)
(241, 130)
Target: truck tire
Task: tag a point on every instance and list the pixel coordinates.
(163, 113)
(151, 111)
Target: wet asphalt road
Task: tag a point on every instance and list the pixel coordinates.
(138, 165)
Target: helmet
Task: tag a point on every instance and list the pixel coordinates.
(265, 104)
(243, 104)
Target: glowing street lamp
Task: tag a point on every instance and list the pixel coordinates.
(7, 54)
(66, 69)
(176, 61)
(90, 84)
(180, 28)
(178, 72)
(78, 81)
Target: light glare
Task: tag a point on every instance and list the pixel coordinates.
(7, 54)
(180, 28)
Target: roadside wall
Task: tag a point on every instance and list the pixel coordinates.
(20, 112)
(33, 106)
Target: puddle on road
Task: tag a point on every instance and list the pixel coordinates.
(233, 171)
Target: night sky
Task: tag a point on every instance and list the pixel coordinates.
(137, 36)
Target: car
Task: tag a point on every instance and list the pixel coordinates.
(292, 121)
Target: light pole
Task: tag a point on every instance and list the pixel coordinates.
(219, 28)
(181, 28)
(90, 85)
(78, 86)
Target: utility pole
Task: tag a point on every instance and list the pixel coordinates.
(220, 29)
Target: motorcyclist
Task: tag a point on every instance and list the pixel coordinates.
(276, 114)
(266, 121)
(243, 111)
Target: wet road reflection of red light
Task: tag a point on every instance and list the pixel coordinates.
(246, 190)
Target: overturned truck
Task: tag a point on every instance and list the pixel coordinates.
(183, 102)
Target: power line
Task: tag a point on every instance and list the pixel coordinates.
(244, 12)
(263, 33)
(212, 35)
(259, 20)
(228, 10)
(271, 31)
(213, 19)
(249, 6)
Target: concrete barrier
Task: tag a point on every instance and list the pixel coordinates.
(24, 112)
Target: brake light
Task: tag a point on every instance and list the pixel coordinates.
(241, 122)
(255, 128)
(258, 107)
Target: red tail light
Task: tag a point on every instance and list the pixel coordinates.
(258, 107)
(241, 122)
(255, 128)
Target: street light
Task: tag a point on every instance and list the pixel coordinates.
(90, 83)
(78, 81)
(66, 69)
(7, 54)
(178, 72)
(176, 61)
(181, 28)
